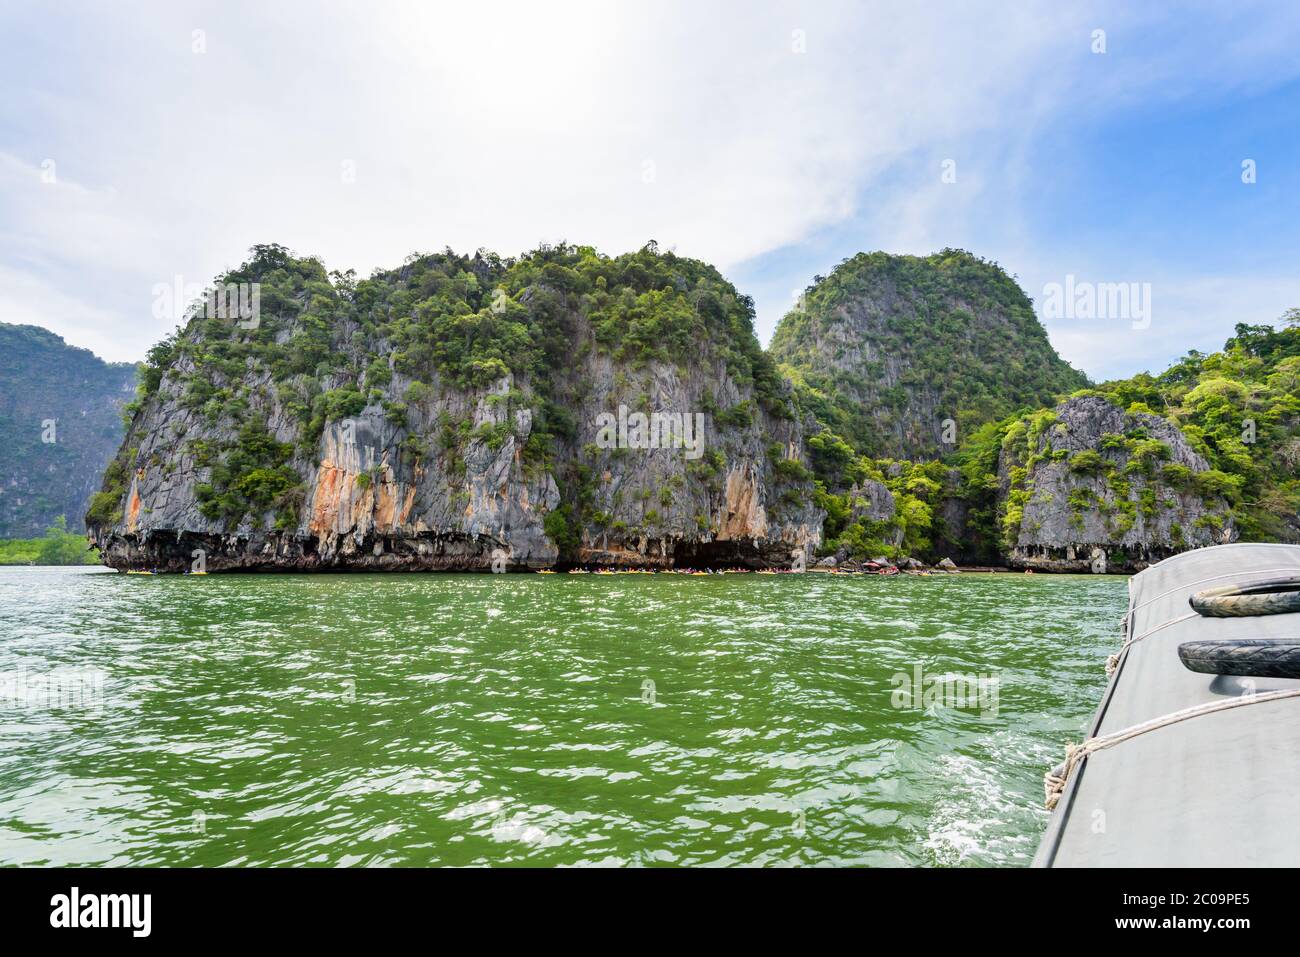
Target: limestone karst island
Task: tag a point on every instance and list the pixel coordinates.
(446, 411)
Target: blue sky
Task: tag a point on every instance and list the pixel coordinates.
(773, 139)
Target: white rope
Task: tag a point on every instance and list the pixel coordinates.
(1054, 781)
(1112, 662)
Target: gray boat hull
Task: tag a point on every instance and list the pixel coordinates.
(1219, 790)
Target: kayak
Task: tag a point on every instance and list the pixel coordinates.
(1193, 756)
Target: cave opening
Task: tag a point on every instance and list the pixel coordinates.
(710, 556)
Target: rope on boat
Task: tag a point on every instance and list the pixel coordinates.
(1112, 662)
(1054, 781)
(1270, 597)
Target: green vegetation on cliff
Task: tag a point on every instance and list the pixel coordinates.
(912, 529)
(881, 353)
(1238, 408)
(328, 345)
(898, 357)
(889, 347)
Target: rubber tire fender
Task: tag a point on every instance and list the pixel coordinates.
(1273, 596)
(1246, 657)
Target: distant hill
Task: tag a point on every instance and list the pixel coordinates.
(892, 346)
(45, 381)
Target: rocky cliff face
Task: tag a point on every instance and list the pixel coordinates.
(464, 413)
(364, 501)
(1101, 482)
(60, 423)
(1089, 487)
(467, 412)
(912, 353)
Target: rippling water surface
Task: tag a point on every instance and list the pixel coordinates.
(524, 719)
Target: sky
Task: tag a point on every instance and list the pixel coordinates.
(1077, 143)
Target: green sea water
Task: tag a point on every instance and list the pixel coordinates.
(418, 719)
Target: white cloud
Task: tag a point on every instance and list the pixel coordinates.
(26, 299)
(504, 125)
(1186, 313)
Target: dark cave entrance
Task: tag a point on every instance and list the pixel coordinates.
(726, 554)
